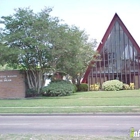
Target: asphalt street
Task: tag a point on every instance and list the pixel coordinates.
(70, 125)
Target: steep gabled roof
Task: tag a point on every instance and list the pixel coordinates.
(105, 37)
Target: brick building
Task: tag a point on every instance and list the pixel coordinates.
(12, 84)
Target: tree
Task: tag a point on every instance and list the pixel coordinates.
(39, 44)
(7, 55)
(77, 55)
(28, 33)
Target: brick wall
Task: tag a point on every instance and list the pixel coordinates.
(12, 84)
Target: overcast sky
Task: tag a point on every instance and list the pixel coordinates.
(92, 15)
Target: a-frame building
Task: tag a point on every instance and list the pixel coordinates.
(119, 57)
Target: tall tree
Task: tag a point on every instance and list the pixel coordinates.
(29, 34)
(77, 55)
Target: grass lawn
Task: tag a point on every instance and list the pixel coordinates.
(80, 102)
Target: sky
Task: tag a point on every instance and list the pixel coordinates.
(94, 16)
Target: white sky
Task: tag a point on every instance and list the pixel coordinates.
(92, 15)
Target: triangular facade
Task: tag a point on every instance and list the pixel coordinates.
(119, 57)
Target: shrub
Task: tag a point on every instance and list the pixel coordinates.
(95, 87)
(82, 87)
(58, 88)
(112, 85)
(132, 86)
(75, 88)
(126, 87)
(31, 92)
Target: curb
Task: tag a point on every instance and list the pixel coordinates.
(70, 114)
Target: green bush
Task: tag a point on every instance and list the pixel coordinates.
(75, 88)
(31, 92)
(112, 85)
(58, 88)
(82, 87)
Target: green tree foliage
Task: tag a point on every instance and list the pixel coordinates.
(39, 43)
(7, 55)
(29, 33)
(77, 55)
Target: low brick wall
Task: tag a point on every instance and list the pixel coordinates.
(12, 84)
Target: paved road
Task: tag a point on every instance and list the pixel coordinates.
(71, 125)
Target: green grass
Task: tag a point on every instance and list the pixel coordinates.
(72, 110)
(80, 102)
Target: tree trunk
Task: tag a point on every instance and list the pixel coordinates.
(73, 80)
(35, 80)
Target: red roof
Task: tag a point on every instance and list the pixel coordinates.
(109, 29)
